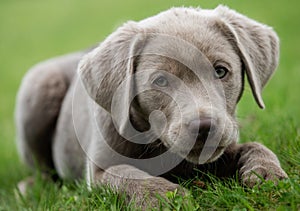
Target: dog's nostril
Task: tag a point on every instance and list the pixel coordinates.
(200, 126)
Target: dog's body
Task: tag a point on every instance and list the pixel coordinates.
(188, 64)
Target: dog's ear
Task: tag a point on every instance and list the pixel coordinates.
(107, 74)
(104, 69)
(258, 46)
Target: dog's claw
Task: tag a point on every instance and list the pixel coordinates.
(260, 173)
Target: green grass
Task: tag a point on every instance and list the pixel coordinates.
(33, 30)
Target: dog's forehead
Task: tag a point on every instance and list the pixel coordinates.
(188, 23)
(153, 63)
(179, 57)
(199, 28)
(157, 62)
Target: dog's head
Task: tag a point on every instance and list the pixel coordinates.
(178, 76)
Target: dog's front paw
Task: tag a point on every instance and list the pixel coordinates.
(261, 171)
(257, 164)
(150, 190)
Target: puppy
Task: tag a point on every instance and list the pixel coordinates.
(157, 98)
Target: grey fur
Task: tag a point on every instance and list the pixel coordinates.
(51, 99)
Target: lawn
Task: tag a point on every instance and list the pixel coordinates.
(32, 30)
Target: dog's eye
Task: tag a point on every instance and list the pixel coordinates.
(220, 72)
(161, 81)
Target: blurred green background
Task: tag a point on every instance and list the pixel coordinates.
(34, 30)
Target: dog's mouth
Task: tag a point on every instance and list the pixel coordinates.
(199, 150)
(207, 154)
(207, 148)
(200, 145)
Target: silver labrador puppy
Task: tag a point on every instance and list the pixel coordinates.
(157, 98)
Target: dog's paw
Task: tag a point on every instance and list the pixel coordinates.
(263, 171)
(154, 190)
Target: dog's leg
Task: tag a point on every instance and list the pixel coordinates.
(136, 184)
(257, 161)
(37, 108)
(38, 105)
(253, 161)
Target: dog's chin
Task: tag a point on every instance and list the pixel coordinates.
(201, 156)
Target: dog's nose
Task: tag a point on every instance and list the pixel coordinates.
(200, 127)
